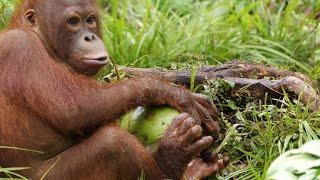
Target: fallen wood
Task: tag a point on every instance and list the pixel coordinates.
(257, 79)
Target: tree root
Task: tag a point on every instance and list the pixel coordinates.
(255, 79)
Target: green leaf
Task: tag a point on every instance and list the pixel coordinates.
(303, 163)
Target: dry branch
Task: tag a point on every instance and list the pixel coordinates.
(248, 76)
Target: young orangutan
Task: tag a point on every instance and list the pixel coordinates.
(49, 104)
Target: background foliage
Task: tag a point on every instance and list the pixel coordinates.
(160, 32)
(188, 33)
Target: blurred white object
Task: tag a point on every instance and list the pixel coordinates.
(297, 164)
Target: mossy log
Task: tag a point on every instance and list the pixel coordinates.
(254, 78)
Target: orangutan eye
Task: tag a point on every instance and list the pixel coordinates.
(91, 20)
(73, 21)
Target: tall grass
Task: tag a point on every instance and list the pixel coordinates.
(162, 32)
(6, 9)
(159, 32)
(257, 132)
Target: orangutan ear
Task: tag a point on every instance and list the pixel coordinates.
(30, 18)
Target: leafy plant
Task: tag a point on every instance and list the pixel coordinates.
(302, 163)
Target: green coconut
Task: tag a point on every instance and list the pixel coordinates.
(148, 124)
